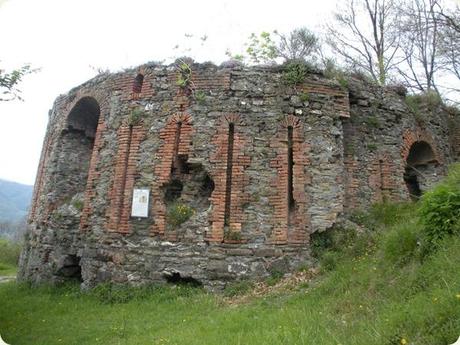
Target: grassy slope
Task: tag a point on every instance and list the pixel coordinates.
(362, 301)
(379, 288)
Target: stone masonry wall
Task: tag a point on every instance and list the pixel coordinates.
(259, 166)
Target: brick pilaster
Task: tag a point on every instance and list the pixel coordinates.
(290, 226)
(168, 155)
(233, 194)
(129, 139)
(93, 175)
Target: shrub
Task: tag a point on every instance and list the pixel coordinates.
(200, 97)
(9, 252)
(440, 209)
(430, 100)
(329, 260)
(135, 116)
(178, 213)
(387, 213)
(295, 73)
(401, 243)
(78, 204)
(232, 235)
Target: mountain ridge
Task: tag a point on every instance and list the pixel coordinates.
(15, 200)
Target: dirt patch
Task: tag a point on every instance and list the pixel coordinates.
(261, 289)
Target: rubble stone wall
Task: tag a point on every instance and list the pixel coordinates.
(257, 165)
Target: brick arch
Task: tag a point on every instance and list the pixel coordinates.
(175, 142)
(146, 90)
(410, 137)
(65, 107)
(291, 224)
(414, 174)
(230, 180)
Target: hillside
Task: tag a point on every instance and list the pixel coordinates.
(394, 282)
(14, 200)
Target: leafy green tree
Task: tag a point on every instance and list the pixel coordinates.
(299, 45)
(9, 82)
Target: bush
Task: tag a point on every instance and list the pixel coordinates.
(178, 213)
(9, 252)
(295, 73)
(430, 100)
(440, 209)
(401, 243)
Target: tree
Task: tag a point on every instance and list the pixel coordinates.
(449, 43)
(362, 34)
(9, 82)
(419, 30)
(298, 45)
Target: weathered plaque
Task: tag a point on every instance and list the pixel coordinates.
(140, 206)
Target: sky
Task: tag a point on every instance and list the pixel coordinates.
(70, 40)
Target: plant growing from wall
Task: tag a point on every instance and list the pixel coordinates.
(184, 74)
(372, 121)
(178, 213)
(295, 72)
(232, 235)
(135, 116)
(78, 204)
(304, 97)
(200, 96)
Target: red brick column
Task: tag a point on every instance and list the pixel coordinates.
(129, 139)
(167, 154)
(382, 178)
(93, 175)
(290, 226)
(233, 194)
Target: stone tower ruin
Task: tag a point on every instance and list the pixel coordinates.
(212, 174)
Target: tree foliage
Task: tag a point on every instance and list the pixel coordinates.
(9, 82)
(299, 45)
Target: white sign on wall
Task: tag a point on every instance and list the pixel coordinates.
(140, 206)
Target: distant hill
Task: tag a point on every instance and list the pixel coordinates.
(15, 199)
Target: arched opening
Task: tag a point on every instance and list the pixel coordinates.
(421, 164)
(137, 84)
(70, 270)
(75, 149)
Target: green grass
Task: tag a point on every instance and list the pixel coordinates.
(376, 287)
(365, 299)
(7, 270)
(9, 256)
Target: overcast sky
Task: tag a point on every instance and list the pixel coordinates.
(68, 40)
